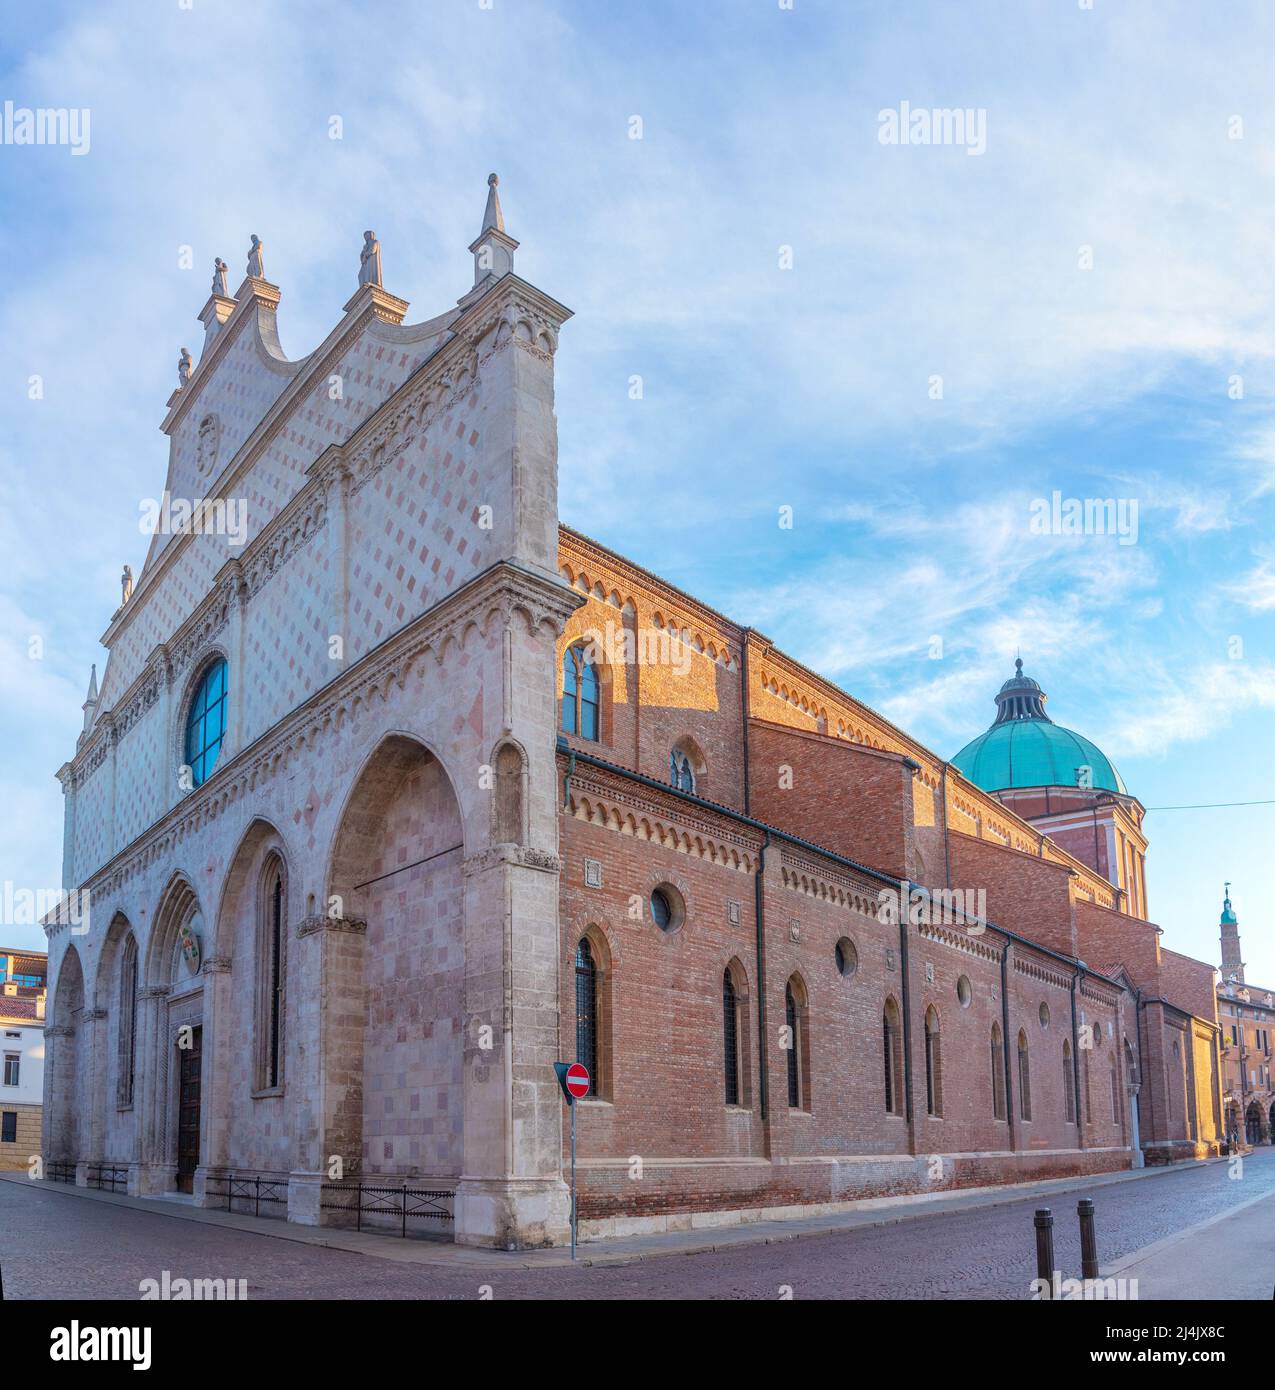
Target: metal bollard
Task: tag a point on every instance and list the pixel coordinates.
(1088, 1240)
(1045, 1248)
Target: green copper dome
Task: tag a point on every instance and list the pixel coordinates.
(1025, 748)
(1229, 919)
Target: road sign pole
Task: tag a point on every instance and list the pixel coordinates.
(573, 1180)
(575, 1082)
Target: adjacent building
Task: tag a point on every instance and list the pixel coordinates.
(404, 790)
(23, 991)
(1247, 1015)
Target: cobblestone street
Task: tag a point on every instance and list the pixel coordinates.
(56, 1244)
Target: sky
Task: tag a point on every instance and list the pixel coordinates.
(816, 379)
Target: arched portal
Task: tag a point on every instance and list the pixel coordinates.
(173, 998)
(395, 902)
(66, 1125)
(1253, 1123)
(250, 1001)
(115, 998)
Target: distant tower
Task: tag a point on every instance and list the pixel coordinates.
(1232, 965)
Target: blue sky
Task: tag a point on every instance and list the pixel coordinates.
(762, 387)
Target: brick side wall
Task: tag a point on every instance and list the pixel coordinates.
(855, 801)
(1027, 895)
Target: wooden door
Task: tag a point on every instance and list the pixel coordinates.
(188, 1112)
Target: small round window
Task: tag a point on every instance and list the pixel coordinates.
(206, 722)
(847, 957)
(963, 991)
(668, 911)
(1044, 1015)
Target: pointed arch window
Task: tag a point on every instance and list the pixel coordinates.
(1024, 1077)
(1069, 1085)
(730, 1037)
(798, 1050)
(794, 1068)
(586, 1007)
(681, 772)
(127, 1021)
(206, 722)
(933, 1064)
(271, 975)
(891, 1039)
(998, 1074)
(581, 694)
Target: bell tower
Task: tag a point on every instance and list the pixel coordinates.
(1232, 963)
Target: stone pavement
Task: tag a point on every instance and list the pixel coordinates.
(57, 1242)
(706, 1235)
(1234, 1251)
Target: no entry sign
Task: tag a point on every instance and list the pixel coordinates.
(574, 1080)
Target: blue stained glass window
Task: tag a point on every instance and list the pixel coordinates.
(206, 723)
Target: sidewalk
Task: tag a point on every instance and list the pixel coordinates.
(880, 1211)
(1234, 1251)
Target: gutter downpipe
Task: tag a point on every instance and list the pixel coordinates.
(904, 905)
(759, 918)
(743, 714)
(1075, 1057)
(947, 848)
(1009, 1082)
(566, 781)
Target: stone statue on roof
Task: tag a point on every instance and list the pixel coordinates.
(370, 260)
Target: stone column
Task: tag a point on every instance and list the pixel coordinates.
(214, 1078)
(326, 1017)
(1135, 1142)
(56, 1144)
(511, 1192)
(153, 1171)
(98, 1063)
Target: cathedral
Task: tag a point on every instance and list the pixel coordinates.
(396, 790)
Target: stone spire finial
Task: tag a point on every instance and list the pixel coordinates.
(492, 216)
(494, 248)
(90, 700)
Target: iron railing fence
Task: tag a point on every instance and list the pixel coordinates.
(242, 1187)
(404, 1201)
(111, 1176)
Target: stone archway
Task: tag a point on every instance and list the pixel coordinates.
(1253, 1124)
(171, 1014)
(65, 1123)
(396, 908)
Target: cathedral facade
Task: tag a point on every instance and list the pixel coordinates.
(396, 790)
